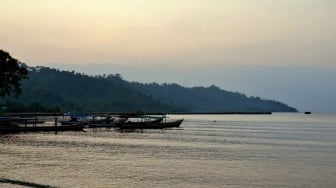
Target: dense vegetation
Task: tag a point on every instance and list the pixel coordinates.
(70, 91)
(14, 107)
(210, 99)
(12, 72)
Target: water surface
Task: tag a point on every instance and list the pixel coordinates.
(279, 150)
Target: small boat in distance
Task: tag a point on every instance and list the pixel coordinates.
(307, 113)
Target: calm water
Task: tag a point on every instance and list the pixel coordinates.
(279, 150)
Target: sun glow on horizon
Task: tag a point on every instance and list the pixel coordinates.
(218, 32)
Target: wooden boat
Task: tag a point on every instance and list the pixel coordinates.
(164, 125)
(122, 123)
(137, 124)
(11, 125)
(101, 125)
(152, 125)
(9, 121)
(74, 120)
(107, 122)
(37, 121)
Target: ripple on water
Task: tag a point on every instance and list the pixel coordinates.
(233, 151)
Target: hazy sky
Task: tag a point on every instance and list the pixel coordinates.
(242, 38)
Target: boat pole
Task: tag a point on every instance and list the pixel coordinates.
(55, 121)
(55, 124)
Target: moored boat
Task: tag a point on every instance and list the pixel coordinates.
(164, 125)
(70, 122)
(123, 122)
(74, 120)
(107, 121)
(11, 125)
(102, 125)
(152, 125)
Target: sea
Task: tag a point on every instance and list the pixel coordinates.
(278, 150)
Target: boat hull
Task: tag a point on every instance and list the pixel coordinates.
(73, 127)
(102, 125)
(125, 124)
(153, 125)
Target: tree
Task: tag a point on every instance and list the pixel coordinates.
(12, 72)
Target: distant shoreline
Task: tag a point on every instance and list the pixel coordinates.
(141, 113)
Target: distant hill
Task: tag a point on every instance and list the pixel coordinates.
(72, 91)
(209, 99)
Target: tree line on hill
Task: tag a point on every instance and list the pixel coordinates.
(76, 92)
(51, 90)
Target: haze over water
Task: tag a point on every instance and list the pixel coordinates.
(279, 150)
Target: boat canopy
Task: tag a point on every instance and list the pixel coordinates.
(153, 117)
(77, 115)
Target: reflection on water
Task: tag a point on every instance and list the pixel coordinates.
(279, 150)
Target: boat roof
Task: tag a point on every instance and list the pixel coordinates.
(78, 115)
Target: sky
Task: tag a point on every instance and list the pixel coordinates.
(283, 50)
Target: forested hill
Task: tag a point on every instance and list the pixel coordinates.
(71, 91)
(210, 99)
